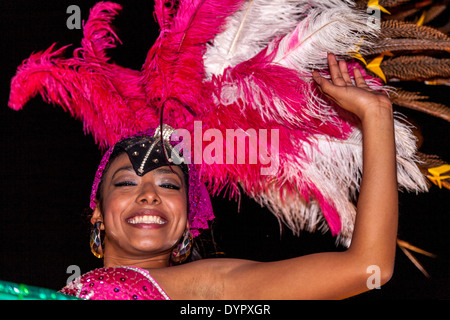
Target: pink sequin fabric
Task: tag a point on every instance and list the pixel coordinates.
(116, 283)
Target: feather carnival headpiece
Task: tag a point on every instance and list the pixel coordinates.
(233, 65)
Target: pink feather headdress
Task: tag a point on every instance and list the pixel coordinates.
(228, 65)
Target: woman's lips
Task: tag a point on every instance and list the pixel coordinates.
(147, 218)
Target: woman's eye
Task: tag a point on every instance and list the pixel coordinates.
(169, 186)
(124, 184)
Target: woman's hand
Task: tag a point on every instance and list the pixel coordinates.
(357, 98)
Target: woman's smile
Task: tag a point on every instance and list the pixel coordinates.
(147, 219)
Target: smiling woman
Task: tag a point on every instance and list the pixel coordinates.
(146, 210)
(150, 212)
(149, 209)
(131, 200)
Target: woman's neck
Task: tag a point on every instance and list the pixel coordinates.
(156, 262)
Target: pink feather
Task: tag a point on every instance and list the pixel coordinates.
(165, 10)
(106, 97)
(259, 77)
(114, 101)
(174, 65)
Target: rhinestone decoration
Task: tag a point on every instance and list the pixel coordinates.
(118, 283)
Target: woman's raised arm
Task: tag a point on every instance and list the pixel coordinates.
(335, 275)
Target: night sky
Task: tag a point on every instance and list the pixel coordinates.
(48, 165)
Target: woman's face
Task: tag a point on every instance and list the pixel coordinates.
(142, 215)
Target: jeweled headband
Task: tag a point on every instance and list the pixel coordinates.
(146, 153)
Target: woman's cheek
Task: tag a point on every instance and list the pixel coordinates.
(113, 206)
(117, 201)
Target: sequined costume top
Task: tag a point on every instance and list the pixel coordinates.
(116, 283)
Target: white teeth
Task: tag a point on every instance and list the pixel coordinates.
(146, 219)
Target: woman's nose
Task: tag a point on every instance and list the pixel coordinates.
(148, 194)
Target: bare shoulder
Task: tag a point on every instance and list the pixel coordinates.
(202, 279)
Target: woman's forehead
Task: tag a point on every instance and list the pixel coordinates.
(123, 162)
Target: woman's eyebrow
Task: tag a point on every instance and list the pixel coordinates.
(162, 170)
(125, 168)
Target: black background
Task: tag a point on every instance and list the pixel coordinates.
(48, 163)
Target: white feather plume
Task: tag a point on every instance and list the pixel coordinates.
(248, 31)
(334, 167)
(299, 34)
(325, 26)
(258, 23)
(340, 30)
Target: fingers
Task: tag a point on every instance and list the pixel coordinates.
(344, 72)
(359, 79)
(339, 76)
(325, 86)
(323, 83)
(335, 71)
